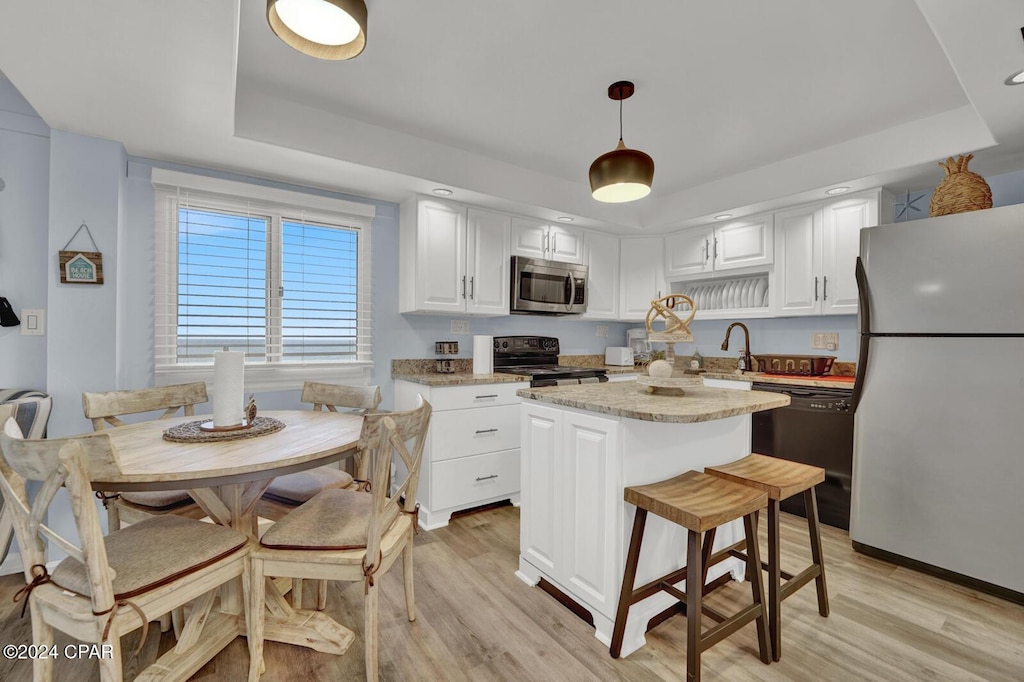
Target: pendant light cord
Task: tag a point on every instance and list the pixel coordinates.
(620, 120)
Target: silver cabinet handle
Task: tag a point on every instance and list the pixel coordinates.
(815, 288)
(707, 250)
(463, 286)
(554, 243)
(472, 288)
(547, 238)
(486, 478)
(487, 430)
(716, 249)
(493, 395)
(824, 289)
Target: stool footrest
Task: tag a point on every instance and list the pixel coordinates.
(786, 575)
(794, 583)
(729, 626)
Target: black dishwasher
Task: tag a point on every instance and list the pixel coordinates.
(815, 428)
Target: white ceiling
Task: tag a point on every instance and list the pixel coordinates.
(743, 105)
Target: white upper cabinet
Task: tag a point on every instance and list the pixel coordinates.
(601, 256)
(641, 274)
(538, 239)
(816, 248)
(452, 259)
(700, 251)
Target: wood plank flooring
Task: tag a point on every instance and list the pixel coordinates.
(477, 621)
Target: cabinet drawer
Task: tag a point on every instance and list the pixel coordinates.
(475, 395)
(458, 433)
(469, 479)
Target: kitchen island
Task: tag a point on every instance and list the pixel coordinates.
(581, 445)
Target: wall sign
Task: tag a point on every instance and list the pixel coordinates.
(81, 267)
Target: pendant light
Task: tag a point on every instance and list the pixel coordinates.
(325, 29)
(622, 174)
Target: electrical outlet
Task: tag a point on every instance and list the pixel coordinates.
(825, 341)
(602, 331)
(460, 326)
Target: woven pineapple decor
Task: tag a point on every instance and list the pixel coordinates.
(961, 190)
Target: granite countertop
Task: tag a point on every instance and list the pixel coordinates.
(628, 399)
(789, 380)
(461, 378)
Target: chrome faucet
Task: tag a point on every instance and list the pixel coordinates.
(747, 360)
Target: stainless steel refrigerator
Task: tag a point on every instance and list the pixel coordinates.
(938, 464)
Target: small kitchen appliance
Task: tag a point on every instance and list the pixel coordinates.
(637, 340)
(620, 356)
(537, 358)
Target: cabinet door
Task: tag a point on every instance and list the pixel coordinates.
(487, 262)
(529, 238)
(601, 255)
(591, 489)
(565, 244)
(797, 261)
(642, 276)
(743, 243)
(688, 252)
(843, 221)
(540, 519)
(440, 257)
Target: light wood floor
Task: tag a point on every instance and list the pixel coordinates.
(477, 621)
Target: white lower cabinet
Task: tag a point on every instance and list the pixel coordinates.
(570, 479)
(471, 456)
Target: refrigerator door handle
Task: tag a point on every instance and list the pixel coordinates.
(864, 316)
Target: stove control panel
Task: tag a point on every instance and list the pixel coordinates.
(526, 345)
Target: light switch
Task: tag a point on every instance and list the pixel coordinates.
(33, 322)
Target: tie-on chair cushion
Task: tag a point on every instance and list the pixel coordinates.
(153, 552)
(294, 489)
(331, 520)
(158, 499)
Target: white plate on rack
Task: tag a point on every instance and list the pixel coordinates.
(760, 289)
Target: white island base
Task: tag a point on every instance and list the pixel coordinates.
(575, 525)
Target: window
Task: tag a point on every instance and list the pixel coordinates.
(282, 276)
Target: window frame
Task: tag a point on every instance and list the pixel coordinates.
(173, 189)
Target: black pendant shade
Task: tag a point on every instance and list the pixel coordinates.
(622, 174)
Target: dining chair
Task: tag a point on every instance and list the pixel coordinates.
(105, 409)
(344, 534)
(110, 586)
(289, 491)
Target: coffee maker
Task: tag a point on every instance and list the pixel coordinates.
(637, 340)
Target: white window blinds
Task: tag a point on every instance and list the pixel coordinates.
(286, 285)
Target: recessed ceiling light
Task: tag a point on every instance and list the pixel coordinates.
(1016, 79)
(724, 216)
(564, 219)
(442, 192)
(837, 190)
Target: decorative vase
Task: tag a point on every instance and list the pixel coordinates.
(961, 190)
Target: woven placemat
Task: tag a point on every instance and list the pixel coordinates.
(190, 432)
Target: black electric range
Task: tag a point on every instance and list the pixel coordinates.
(537, 358)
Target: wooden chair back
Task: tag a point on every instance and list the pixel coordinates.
(382, 437)
(333, 396)
(105, 408)
(58, 463)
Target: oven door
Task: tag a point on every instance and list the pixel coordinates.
(548, 287)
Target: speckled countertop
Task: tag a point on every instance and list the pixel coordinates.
(629, 399)
(461, 378)
(817, 382)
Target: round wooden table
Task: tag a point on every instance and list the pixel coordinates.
(227, 479)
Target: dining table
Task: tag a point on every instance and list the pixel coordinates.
(226, 478)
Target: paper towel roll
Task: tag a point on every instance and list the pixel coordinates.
(228, 387)
(483, 354)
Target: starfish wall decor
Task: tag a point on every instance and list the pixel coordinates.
(906, 204)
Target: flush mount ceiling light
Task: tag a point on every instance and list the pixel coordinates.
(724, 216)
(442, 192)
(325, 29)
(564, 219)
(622, 174)
(837, 190)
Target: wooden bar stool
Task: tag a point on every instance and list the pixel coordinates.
(781, 479)
(700, 503)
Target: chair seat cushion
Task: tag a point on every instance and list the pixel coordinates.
(294, 489)
(158, 499)
(333, 519)
(152, 553)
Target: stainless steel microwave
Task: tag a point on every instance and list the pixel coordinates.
(546, 287)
